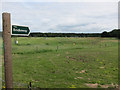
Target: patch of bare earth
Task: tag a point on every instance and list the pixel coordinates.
(81, 58)
(70, 58)
(92, 85)
(102, 86)
(78, 78)
(105, 86)
(82, 71)
(109, 85)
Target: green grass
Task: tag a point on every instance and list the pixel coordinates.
(58, 62)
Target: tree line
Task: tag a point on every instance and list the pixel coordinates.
(113, 33)
(65, 35)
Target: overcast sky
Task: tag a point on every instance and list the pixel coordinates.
(61, 16)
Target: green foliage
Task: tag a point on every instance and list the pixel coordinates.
(113, 33)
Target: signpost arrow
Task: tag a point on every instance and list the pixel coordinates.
(20, 30)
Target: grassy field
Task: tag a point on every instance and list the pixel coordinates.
(65, 62)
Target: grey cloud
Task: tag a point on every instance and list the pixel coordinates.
(64, 17)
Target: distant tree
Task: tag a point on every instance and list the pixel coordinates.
(104, 34)
(114, 33)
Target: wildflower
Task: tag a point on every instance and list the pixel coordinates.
(73, 86)
(3, 87)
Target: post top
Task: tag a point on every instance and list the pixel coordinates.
(5, 13)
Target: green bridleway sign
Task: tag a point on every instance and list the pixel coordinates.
(20, 30)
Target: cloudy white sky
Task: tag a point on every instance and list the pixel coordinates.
(63, 16)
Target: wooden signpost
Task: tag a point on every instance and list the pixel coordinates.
(7, 50)
(16, 30)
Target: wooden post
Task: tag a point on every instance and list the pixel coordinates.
(7, 51)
